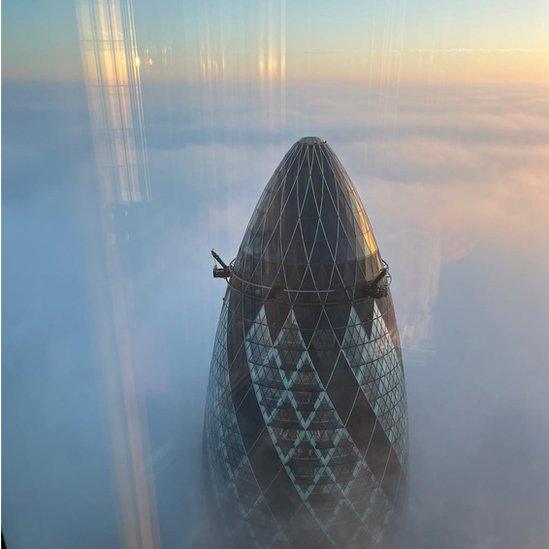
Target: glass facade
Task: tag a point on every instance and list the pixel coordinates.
(305, 439)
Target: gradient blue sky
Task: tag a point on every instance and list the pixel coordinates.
(40, 41)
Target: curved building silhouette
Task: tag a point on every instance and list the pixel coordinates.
(305, 438)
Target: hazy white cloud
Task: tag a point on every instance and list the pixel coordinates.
(455, 182)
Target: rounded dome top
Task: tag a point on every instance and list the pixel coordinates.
(309, 231)
(311, 140)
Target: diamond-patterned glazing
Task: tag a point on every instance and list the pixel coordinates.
(306, 425)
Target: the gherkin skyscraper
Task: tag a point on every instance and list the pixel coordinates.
(305, 437)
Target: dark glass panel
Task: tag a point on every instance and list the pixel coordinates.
(322, 275)
(347, 271)
(361, 422)
(343, 388)
(330, 182)
(323, 361)
(345, 247)
(329, 218)
(315, 175)
(294, 275)
(271, 249)
(290, 214)
(309, 222)
(248, 414)
(378, 451)
(282, 497)
(307, 317)
(338, 315)
(276, 313)
(264, 460)
(321, 253)
(272, 215)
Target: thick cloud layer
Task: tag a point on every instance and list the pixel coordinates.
(454, 182)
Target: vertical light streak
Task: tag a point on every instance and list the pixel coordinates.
(111, 68)
(272, 62)
(383, 81)
(243, 69)
(283, 61)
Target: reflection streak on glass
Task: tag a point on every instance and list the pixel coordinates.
(111, 68)
(272, 61)
(242, 77)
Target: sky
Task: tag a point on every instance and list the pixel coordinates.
(440, 114)
(460, 40)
